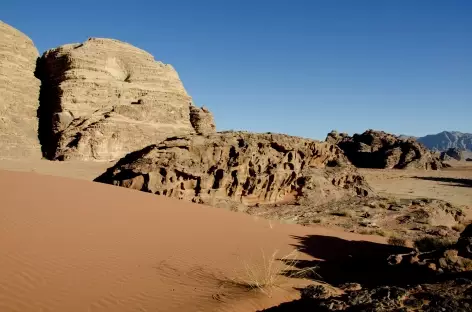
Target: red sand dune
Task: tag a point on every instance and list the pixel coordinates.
(71, 245)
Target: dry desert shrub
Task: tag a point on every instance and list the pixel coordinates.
(378, 232)
(426, 244)
(270, 273)
(397, 241)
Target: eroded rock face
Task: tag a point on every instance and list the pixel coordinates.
(378, 149)
(452, 153)
(104, 98)
(19, 92)
(202, 120)
(238, 167)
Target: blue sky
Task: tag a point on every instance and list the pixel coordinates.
(297, 67)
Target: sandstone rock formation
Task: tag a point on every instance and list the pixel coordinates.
(19, 92)
(377, 149)
(229, 168)
(202, 120)
(452, 153)
(104, 98)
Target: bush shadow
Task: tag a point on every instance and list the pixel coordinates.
(450, 181)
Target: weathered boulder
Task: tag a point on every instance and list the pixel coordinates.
(202, 120)
(19, 93)
(103, 98)
(239, 168)
(378, 149)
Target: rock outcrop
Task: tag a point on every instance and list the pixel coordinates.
(19, 92)
(202, 120)
(378, 149)
(228, 169)
(103, 98)
(452, 153)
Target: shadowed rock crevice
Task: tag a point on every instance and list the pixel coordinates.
(49, 108)
(235, 168)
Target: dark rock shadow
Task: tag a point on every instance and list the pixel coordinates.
(449, 181)
(50, 95)
(44, 112)
(342, 261)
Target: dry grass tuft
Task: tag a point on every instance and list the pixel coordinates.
(397, 241)
(270, 273)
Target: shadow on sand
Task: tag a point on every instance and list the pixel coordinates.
(342, 261)
(449, 181)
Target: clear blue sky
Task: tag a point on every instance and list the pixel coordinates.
(297, 67)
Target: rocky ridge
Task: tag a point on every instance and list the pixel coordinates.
(381, 150)
(19, 91)
(239, 169)
(447, 139)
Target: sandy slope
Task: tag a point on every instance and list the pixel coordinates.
(87, 170)
(71, 245)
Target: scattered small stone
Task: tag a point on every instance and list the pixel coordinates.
(394, 208)
(314, 292)
(350, 286)
(373, 205)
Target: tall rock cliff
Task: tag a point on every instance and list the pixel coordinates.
(104, 98)
(19, 92)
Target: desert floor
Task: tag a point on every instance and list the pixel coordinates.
(452, 184)
(74, 245)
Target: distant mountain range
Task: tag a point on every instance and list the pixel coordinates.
(444, 140)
